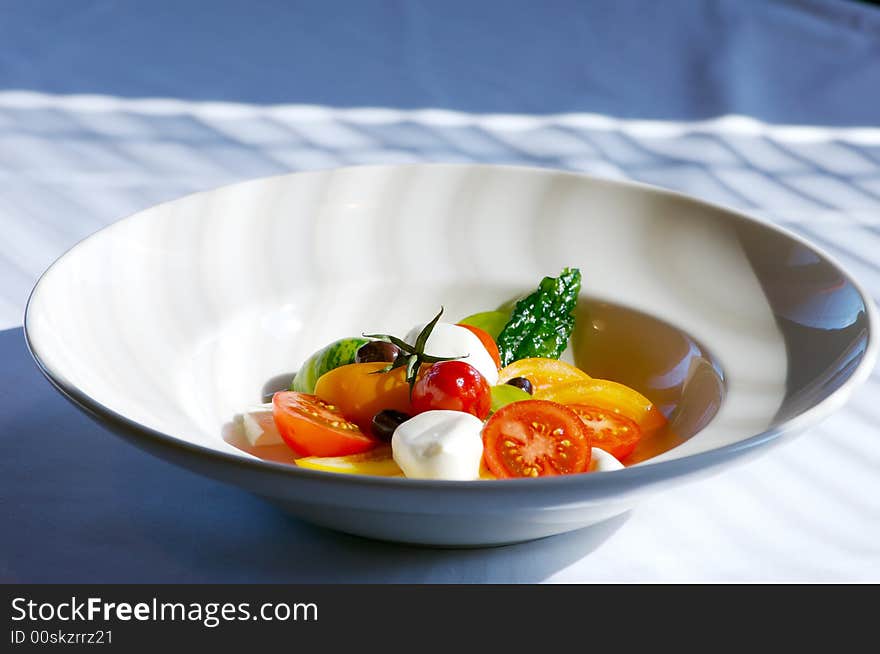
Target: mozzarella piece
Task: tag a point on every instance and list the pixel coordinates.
(259, 426)
(602, 461)
(448, 340)
(439, 445)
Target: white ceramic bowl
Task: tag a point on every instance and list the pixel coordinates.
(165, 324)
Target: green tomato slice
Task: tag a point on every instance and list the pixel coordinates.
(338, 353)
(505, 394)
(491, 322)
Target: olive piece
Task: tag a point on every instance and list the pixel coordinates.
(522, 383)
(376, 351)
(386, 421)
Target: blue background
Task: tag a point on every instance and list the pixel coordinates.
(792, 61)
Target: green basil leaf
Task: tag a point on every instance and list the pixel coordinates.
(541, 323)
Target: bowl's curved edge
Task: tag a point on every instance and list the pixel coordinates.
(594, 486)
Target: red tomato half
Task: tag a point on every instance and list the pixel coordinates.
(454, 386)
(487, 341)
(535, 438)
(609, 430)
(312, 427)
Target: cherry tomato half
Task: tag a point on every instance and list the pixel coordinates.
(608, 395)
(455, 386)
(312, 427)
(487, 341)
(609, 430)
(535, 438)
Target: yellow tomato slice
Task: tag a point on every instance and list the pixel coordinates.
(361, 391)
(375, 462)
(543, 373)
(609, 395)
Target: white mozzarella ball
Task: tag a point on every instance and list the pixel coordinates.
(439, 445)
(448, 340)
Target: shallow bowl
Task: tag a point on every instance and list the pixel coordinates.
(165, 324)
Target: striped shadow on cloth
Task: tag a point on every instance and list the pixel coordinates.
(72, 164)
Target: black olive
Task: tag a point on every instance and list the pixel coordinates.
(386, 421)
(522, 383)
(377, 351)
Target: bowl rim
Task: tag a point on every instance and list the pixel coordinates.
(643, 473)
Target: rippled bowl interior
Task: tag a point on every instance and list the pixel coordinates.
(175, 318)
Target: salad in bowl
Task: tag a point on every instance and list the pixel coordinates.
(485, 397)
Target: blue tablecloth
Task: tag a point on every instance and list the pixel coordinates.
(709, 98)
(787, 61)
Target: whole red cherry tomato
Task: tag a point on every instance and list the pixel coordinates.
(455, 386)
